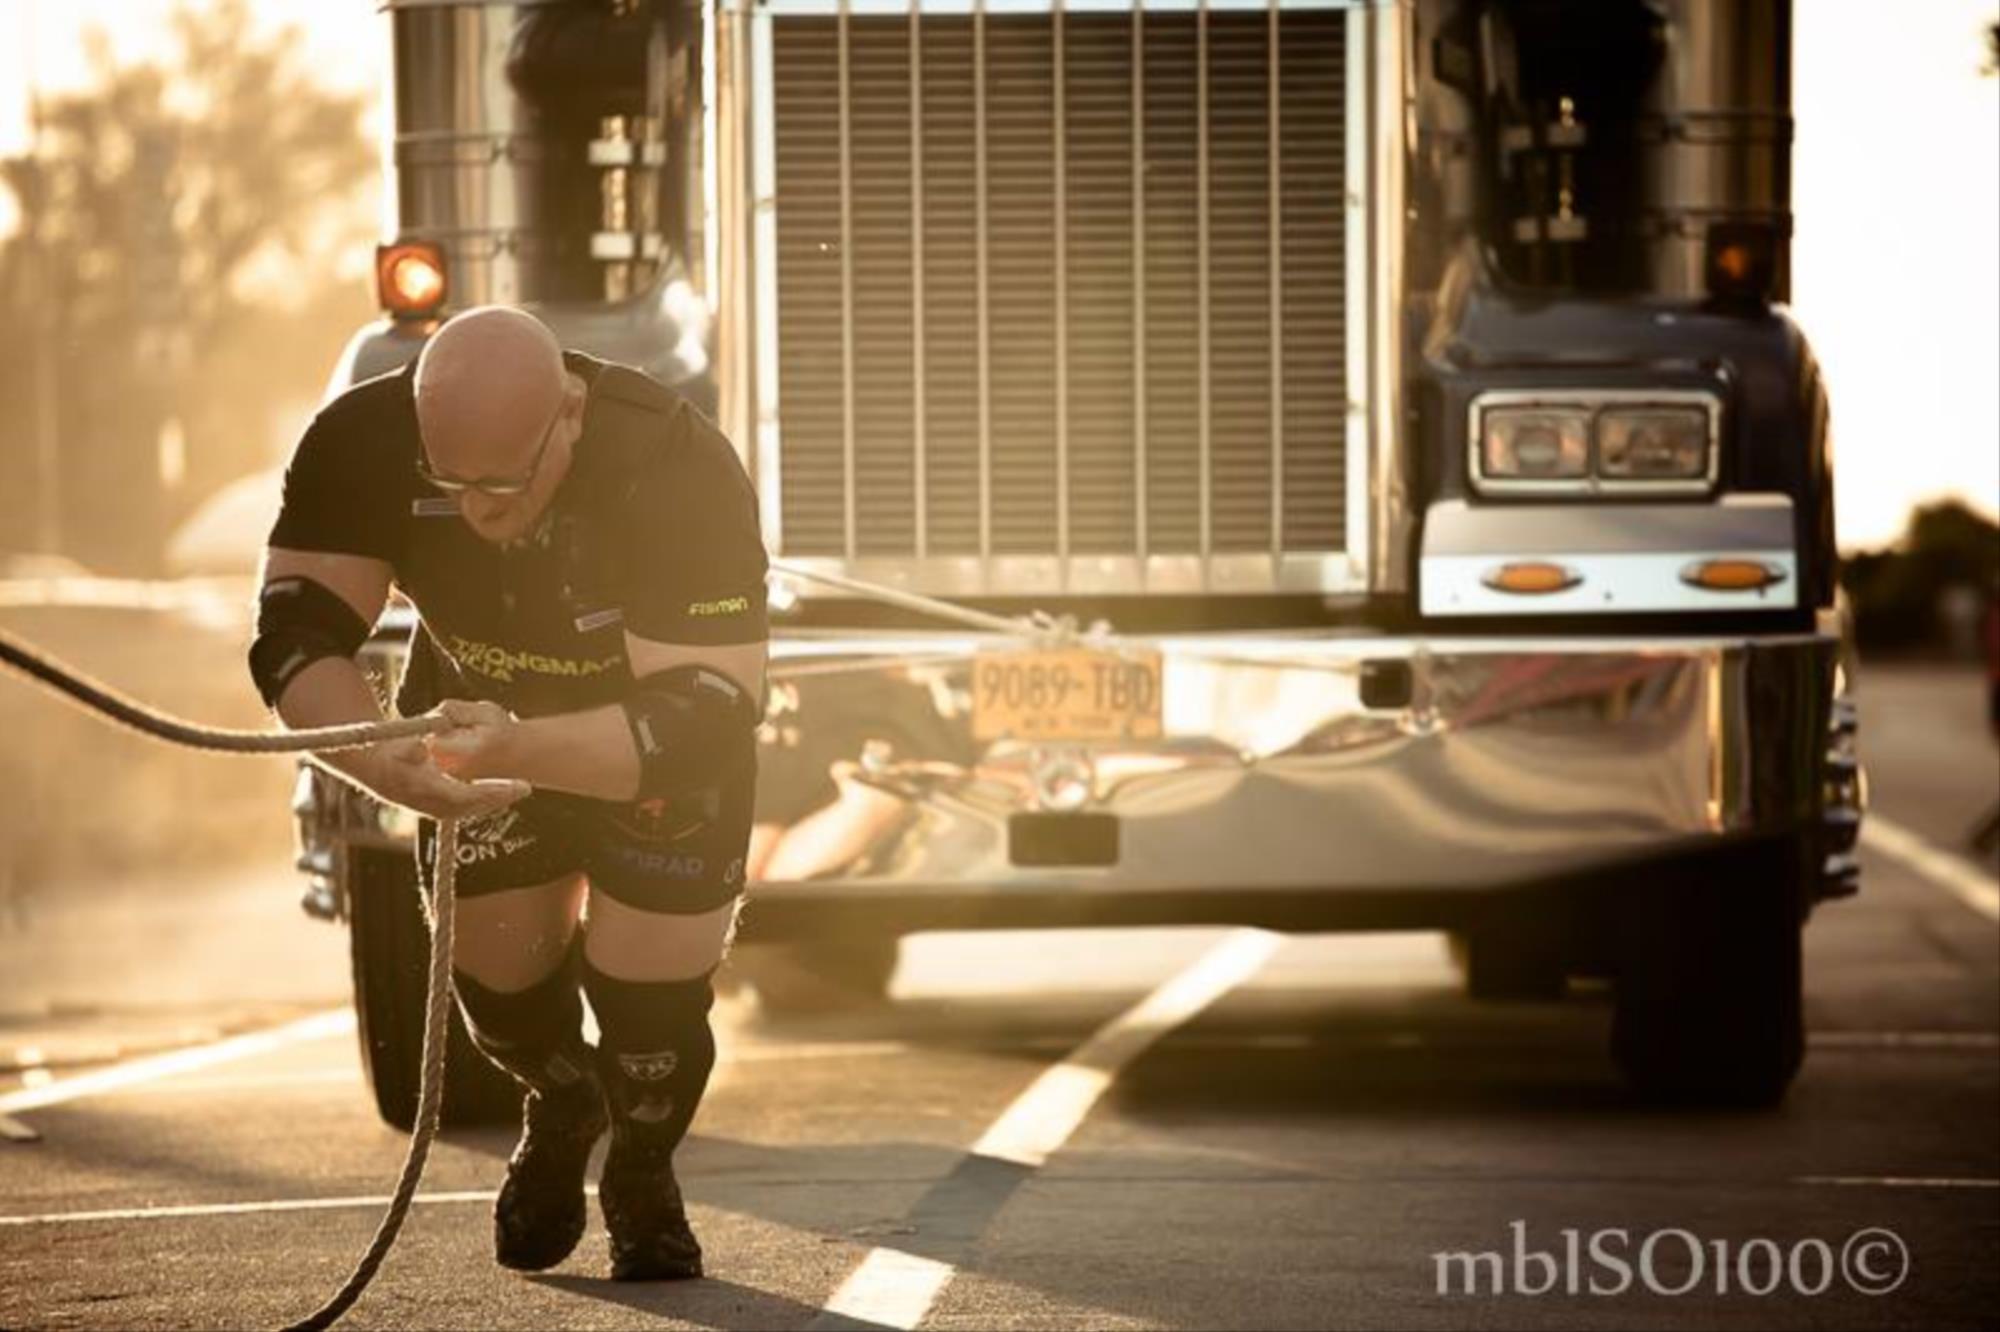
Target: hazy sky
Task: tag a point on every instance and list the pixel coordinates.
(1896, 263)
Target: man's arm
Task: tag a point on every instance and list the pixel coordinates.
(333, 691)
(589, 753)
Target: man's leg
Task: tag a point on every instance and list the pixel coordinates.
(648, 977)
(514, 967)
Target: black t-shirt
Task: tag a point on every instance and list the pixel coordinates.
(653, 530)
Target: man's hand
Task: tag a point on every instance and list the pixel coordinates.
(402, 773)
(479, 743)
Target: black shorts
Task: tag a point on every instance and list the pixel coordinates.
(679, 857)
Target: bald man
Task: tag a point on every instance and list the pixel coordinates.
(582, 546)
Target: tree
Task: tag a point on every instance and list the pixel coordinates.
(1898, 593)
(182, 226)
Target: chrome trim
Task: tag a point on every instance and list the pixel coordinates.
(1757, 521)
(822, 7)
(1844, 787)
(1628, 557)
(1603, 584)
(1597, 400)
(1204, 486)
(709, 279)
(919, 404)
(1274, 147)
(1059, 156)
(1359, 228)
(1087, 575)
(764, 262)
(1391, 130)
(1141, 513)
(979, 249)
(850, 502)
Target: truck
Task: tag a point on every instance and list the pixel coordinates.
(1303, 464)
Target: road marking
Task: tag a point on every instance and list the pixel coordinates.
(1042, 1118)
(1942, 868)
(1906, 1040)
(759, 1052)
(171, 1213)
(251, 1082)
(1901, 1181)
(894, 1288)
(891, 1288)
(319, 1026)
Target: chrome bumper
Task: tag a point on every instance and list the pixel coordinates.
(1292, 768)
(1324, 764)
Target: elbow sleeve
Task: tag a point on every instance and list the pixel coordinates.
(299, 621)
(693, 727)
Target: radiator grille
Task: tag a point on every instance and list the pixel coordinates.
(1061, 284)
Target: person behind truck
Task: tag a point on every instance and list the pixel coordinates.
(582, 547)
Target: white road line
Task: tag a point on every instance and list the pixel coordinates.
(1041, 1119)
(892, 1288)
(319, 1026)
(309, 1077)
(757, 1052)
(244, 1208)
(1942, 868)
(1905, 1040)
(1900, 1181)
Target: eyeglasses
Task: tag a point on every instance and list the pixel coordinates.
(499, 486)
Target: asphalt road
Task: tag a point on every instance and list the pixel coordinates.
(1289, 1135)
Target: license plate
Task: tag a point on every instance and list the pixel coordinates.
(1067, 694)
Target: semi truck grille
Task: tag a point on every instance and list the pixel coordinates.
(1065, 284)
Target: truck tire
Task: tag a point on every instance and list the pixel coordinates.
(1709, 994)
(390, 948)
(823, 977)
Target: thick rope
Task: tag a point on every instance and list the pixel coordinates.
(107, 702)
(430, 1090)
(1039, 627)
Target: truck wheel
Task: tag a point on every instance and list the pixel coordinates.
(1709, 989)
(390, 947)
(808, 980)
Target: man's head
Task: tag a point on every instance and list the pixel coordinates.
(495, 406)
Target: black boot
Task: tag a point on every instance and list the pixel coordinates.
(654, 1062)
(540, 1214)
(650, 1236)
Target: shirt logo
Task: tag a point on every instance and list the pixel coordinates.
(504, 664)
(712, 609)
(599, 620)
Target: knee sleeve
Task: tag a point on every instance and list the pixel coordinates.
(535, 1034)
(655, 1051)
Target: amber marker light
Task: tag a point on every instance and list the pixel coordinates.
(1532, 578)
(409, 278)
(1732, 575)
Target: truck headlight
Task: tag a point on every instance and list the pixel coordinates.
(1653, 443)
(1535, 443)
(1592, 441)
